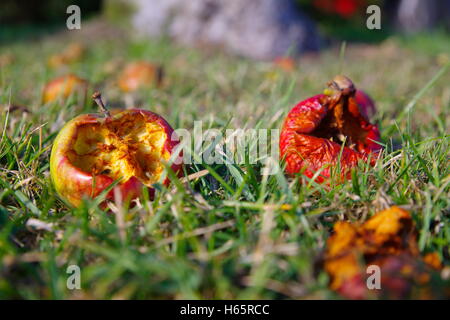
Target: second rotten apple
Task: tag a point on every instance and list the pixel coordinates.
(328, 131)
(140, 74)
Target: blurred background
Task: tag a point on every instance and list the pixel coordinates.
(286, 25)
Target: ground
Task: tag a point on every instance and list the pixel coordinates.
(231, 234)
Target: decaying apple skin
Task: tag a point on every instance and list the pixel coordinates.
(73, 184)
(366, 104)
(306, 146)
(140, 74)
(63, 87)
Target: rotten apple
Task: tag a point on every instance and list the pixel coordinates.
(63, 87)
(94, 150)
(326, 130)
(286, 64)
(365, 103)
(140, 74)
(73, 53)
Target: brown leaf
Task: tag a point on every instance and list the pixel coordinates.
(389, 241)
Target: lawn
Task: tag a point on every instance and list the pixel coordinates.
(232, 233)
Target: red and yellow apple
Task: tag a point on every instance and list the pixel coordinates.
(63, 87)
(92, 151)
(139, 74)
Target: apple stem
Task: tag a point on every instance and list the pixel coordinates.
(98, 100)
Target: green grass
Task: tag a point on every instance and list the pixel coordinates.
(225, 235)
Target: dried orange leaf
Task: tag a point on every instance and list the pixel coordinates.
(387, 240)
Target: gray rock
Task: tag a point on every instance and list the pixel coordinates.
(420, 15)
(259, 29)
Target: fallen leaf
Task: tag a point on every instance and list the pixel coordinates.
(387, 240)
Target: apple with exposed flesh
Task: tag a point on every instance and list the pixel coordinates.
(328, 131)
(94, 150)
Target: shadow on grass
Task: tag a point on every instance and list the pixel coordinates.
(26, 32)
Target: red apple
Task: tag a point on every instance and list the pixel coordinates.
(366, 104)
(326, 130)
(93, 150)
